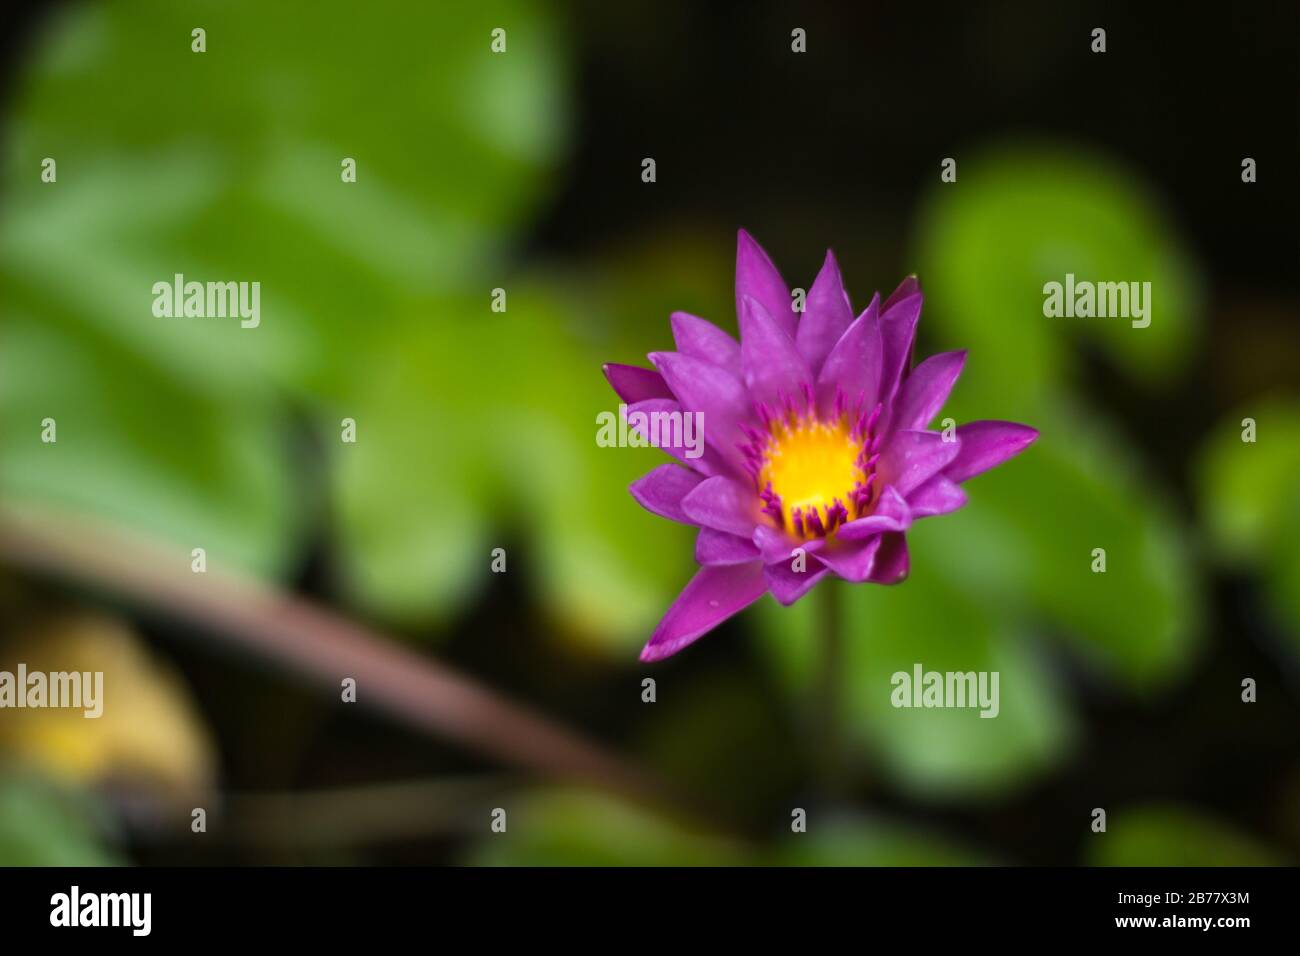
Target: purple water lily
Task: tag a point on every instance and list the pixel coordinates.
(817, 454)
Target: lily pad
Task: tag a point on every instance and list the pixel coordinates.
(227, 165)
(1023, 215)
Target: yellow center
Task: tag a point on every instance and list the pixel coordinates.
(811, 465)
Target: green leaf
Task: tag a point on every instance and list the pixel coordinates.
(1031, 530)
(225, 166)
(582, 828)
(1245, 488)
(852, 841)
(413, 493)
(1249, 498)
(1025, 215)
(42, 824)
(608, 568)
(1015, 566)
(988, 584)
(929, 621)
(136, 447)
(1173, 836)
(1282, 572)
(473, 442)
(450, 142)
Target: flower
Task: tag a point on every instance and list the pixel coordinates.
(817, 457)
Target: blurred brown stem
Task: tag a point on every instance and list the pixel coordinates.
(314, 642)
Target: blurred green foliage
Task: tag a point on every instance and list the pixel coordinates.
(581, 828)
(1025, 216)
(929, 621)
(858, 841)
(42, 824)
(225, 165)
(474, 428)
(1028, 213)
(1249, 499)
(1173, 836)
(1015, 566)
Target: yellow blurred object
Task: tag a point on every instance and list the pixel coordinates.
(148, 733)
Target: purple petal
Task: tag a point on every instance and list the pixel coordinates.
(704, 340)
(897, 335)
(723, 504)
(852, 560)
(910, 458)
(704, 387)
(892, 513)
(718, 547)
(788, 585)
(925, 390)
(892, 562)
(854, 363)
(661, 490)
(909, 286)
(772, 364)
(987, 444)
(712, 596)
(777, 546)
(827, 314)
(707, 462)
(636, 384)
(757, 277)
(938, 496)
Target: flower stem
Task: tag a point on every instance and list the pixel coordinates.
(828, 686)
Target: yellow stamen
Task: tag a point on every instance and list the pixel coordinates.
(810, 465)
